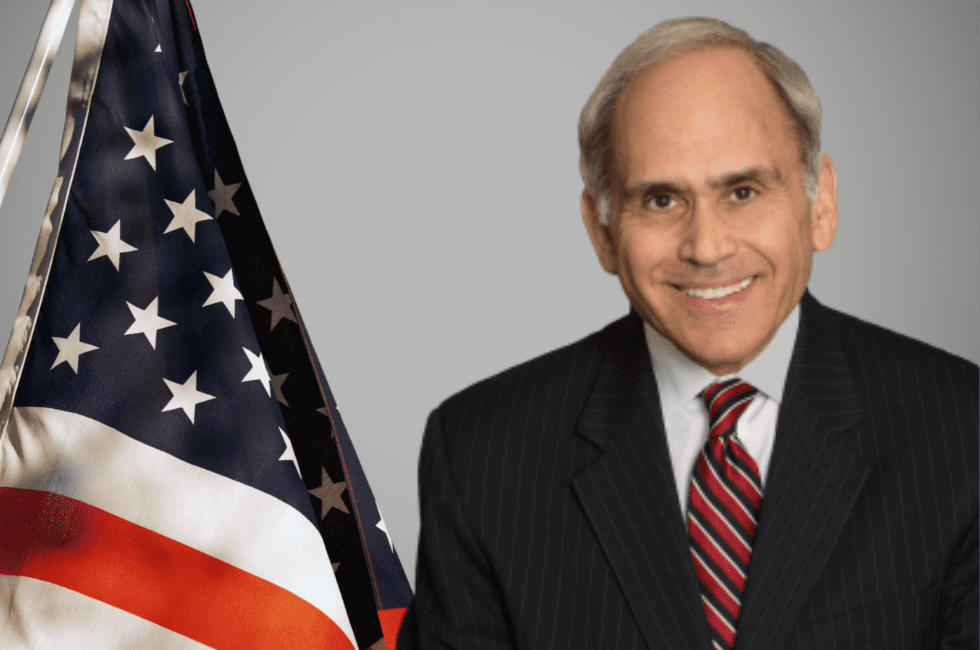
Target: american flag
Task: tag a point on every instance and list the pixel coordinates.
(174, 472)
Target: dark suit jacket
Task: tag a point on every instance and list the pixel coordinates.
(550, 517)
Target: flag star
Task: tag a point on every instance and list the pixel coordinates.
(277, 381)
(289, 454)
(147, 322)
(145, 144)
(69, 349)
(180, 82)
(222, 196)
(224, 292)
(159, 50)
(384, 529)
(185, 396)
(186, 215)
(258, 372)
(330, 494)
(280, 304)
(110, 245)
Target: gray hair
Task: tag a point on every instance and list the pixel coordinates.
(664, 41)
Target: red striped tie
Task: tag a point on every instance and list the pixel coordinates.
(722, 510)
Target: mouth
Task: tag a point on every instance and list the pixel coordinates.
(717, 293)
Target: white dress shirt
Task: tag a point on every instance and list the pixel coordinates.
(679, 380)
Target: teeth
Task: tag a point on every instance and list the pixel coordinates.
(721, 292)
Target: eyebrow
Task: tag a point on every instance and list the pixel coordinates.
(761, 174)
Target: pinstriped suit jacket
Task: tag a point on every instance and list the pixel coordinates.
(550, 517)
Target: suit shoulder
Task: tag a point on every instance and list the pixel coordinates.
(897, 359)
(555, 379)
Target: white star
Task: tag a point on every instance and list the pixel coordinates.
(147, 322)
(289, 454)
(277, 381)
(185, 396)
(145, 144)
(71, 348)
(330, 494)
(384, 529)
(159, 50)
(258, 372)
(186, 215)
(180, 82)
(110, 245)
(280, 304)
(222, 195)
(224, 292)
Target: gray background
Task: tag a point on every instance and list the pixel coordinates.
(416, 165)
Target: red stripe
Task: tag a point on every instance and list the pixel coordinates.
(708, 548)
(750, 491)
(735, 543)
(716, 588)
(731, 504)
(717, 448)
(731, 392)
(190, 12)
(710, 391)
(719, 625)
(80, 547)
(744, 456)
(728, 421)
(391, 620)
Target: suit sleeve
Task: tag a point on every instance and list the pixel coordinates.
(960, 606)
(458, 602)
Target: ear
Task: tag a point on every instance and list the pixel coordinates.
(823, 211)
(599, 234)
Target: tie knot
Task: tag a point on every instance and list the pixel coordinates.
(726, 401)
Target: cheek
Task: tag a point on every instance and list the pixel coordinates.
(783, 237)
(643, 250)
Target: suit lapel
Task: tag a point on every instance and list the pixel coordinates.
(629, 496)
(814, 479)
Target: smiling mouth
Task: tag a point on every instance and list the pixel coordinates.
(718, 293)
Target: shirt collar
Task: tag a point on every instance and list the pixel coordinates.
(679, 379)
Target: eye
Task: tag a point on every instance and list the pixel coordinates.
(742, 193)
(661, 201)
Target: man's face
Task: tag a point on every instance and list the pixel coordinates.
(711, 232)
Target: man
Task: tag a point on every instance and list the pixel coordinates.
(732, 463)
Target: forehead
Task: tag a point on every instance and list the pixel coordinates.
(707, 110)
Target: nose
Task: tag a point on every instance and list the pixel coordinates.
(708, 237)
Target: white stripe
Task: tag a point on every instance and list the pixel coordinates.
(722, 392)
(724, 552)
(753, 480)
(707, 567)
(730, 493)
(715, 644)
(49, 617)
(74, 456)
(731, 408)
(724, 620)
(737, 533)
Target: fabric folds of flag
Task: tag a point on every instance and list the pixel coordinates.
(174, 472)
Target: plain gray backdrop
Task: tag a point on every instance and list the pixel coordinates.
(417, 168)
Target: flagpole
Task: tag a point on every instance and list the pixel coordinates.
(22, 112)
